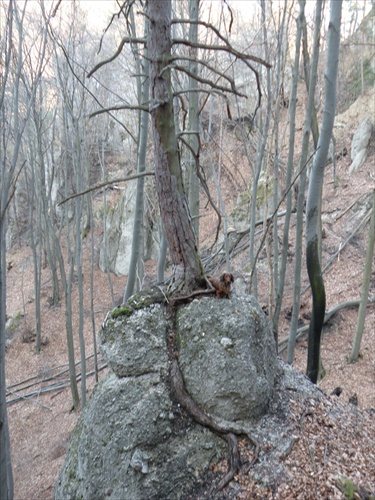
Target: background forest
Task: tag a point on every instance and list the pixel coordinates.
(81, 228)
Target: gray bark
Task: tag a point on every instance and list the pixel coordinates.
(260, 157)
(365, 287)
(136, 253)
(14, 115)
(289, 175)
(187, 267)
(302, 180)
(280, 65)
(315, 193)
(193, 120)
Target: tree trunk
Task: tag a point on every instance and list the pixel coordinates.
(365, 287)
(315, 194)
(259, 163)
(6, 476)
(187, 267)
(141, 167)
(302, 180)
(289, 175)
(193, 121)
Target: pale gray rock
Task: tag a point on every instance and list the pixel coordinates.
(128, 445)
(115, 255)
(134, 345)
(360, 142)
(133, 441)
(227, 356)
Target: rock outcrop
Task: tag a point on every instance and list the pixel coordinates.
(133, 440)
(360, 143)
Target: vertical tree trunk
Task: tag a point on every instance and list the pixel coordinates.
(302, 180)
(260, 156)
(193, 120)
(289, 175)
(187, 267)
(6, 475)
(315, 193)
(143, 97)
(365, 287)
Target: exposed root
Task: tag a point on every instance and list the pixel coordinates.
(229, 435)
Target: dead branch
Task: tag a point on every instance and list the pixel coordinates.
(227, 47)
(206, 65)
(119, 107)
(104, 184)
(327, 317)
(203, 182)
(126, 39)
(49, 388)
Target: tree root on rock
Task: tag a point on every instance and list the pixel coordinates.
(229, 435)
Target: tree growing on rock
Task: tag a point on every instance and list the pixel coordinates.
(188, 272)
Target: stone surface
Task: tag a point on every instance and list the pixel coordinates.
(133, 441)
(128, 445)
(135, 345)
(360, 142)
(227, 356)
(115, 256)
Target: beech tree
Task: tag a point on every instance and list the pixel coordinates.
(315, 193)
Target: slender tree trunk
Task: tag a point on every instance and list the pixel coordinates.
(260, 155)
(315, 194)
(187, 268)
(302, 181)
(365, 287)
(289, 175)
(193, 121)
(139, 197)
(6, 475)
(279, 69)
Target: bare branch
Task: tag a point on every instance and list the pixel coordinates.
(104, 184)
(126, 39)
(224, 48)
(206, 65)
(203, 181)
(117, 14)
(232, 90)
(56, 8)
(118, 108)
(200, 90)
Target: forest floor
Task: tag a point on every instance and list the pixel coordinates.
(41, 422)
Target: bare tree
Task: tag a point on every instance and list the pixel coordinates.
(143, 96)
(289, 175)
(365, 287)
(302, 179)
(315, 193)
(15, 108)
(188, 270)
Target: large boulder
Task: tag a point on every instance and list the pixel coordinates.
(227, 357)
(133, 441)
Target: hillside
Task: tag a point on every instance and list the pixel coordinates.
(41, 422)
